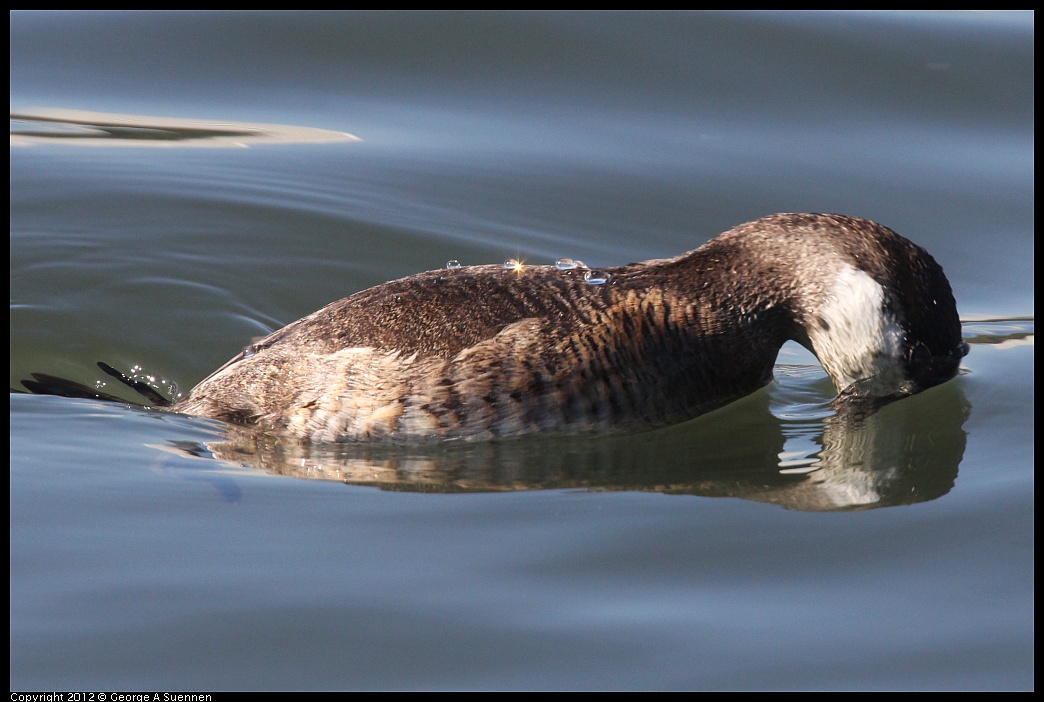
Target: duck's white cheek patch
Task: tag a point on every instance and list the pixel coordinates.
(854, 337)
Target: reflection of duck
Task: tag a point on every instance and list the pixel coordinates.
(906, 454)
(489, 351)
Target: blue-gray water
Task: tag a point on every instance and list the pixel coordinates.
(761, 546)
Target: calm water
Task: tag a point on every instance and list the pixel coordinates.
(763, 546)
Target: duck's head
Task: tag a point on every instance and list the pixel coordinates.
(882, 318)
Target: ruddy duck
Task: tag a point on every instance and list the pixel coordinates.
(477, 352)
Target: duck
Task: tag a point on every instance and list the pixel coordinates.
(487, 352)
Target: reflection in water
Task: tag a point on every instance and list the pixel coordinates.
(1002, 333)
(906, 453)
(42, 126)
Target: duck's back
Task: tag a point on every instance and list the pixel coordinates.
(481, 352)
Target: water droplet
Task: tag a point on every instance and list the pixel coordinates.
(250, 351)
(512, 264)
(453, 263)
(565, 264)
(597, 277)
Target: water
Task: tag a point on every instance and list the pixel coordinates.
(763, 546)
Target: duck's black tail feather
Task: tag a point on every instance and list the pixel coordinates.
(44, 384)
(143, 389)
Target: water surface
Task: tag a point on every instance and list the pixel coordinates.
(175, 208)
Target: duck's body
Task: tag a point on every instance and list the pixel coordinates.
(489, 351)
